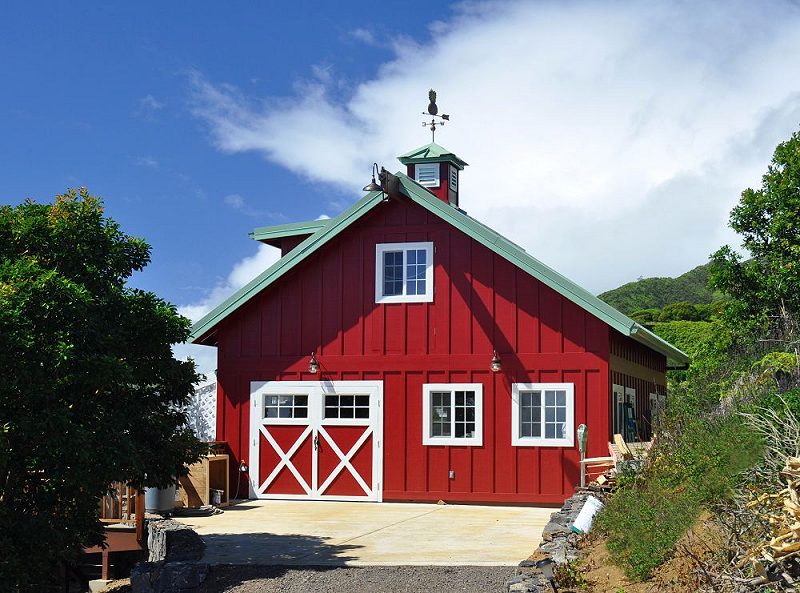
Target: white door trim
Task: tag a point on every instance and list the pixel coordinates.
(315, 429)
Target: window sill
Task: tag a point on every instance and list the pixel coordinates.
(417, 298)
(538, 442)
(452, 442)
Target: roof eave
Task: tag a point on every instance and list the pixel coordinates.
(205, 325)
(676, 359)
(307, 227)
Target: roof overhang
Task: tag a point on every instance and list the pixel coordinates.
(432, 153)
(272, 235)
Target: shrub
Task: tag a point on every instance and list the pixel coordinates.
(694, 464)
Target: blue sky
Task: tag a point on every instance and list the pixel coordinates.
(99, 94)
(608, 139)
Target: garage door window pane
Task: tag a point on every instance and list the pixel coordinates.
(286, 406)
(346, 406)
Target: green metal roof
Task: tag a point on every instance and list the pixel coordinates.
(473, 228)
(280, 231)
(431, 153)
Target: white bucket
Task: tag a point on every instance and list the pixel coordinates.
(583, 522)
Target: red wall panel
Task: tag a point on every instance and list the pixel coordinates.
(481, 302)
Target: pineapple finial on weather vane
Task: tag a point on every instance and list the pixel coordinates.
(433, 111)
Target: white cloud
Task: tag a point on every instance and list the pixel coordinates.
(240, 204)
(243, 272)
(363, 35)
(147, 161)
(148, 107)
(149, 102)
(235, 201)
(609, 139)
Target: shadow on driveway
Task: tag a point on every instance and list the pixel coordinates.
(270, 549)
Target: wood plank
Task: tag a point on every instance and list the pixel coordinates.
(623, 448)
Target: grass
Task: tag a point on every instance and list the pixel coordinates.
(695, 463)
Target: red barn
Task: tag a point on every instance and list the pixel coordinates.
(405, 351)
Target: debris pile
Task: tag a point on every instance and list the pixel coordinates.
(777, 560)
(605, 482)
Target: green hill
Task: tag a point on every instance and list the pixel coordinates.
(654, 293)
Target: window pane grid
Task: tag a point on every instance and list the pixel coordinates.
(392, 273)
(404, 271)
(415, 271)
(464, 419)
(285, 406)
(453, 414)
(346, 406)
(543, 414)
(530, 407)
(440, 414)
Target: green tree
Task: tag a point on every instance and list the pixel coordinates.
(682, 311)
(91, 393)
(765, 290)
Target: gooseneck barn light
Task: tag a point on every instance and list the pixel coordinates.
(496, 366)
(372, 185)
(313, 364)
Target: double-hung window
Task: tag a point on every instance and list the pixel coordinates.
(452, 414)
(404, 272)
(543, 414)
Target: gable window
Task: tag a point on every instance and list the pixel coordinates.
(427, 174)
(543, 414)
(404, 272)
(452, 414)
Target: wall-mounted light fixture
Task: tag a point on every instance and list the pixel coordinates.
(313, 364)
(497, 366)
(372, 185)
(383, 181)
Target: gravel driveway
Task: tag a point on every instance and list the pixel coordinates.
(367, 579)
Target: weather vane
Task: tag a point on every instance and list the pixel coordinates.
(433, 111)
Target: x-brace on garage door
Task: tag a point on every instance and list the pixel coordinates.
(316, 439)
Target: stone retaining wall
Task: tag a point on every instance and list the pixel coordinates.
(172, 566)
(559, 543)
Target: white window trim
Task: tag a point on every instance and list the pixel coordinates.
(380, 249)
(474, 441)
(284, 388)
(519, 441)
(434, 167)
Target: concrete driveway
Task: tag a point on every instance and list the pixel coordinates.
(268, 532)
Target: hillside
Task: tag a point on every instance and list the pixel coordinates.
(654, 293)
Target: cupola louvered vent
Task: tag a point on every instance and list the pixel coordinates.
(453, 179)
(427, 174)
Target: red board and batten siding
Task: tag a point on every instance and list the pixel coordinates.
(481, 302)
(633, 365)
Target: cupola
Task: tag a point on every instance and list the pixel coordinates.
(437, 169)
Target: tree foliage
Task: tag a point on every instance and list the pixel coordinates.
(91, 392)
(655, 293)
(765, 290)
